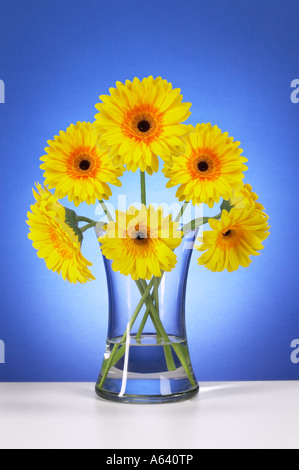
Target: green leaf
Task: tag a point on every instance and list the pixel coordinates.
(226, 205)
(71, 221)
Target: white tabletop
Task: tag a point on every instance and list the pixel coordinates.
(230, 415)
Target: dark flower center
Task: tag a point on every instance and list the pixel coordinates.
(226, 234)
(84, 165)
(140, 236)
(143, 126)
(203, 166)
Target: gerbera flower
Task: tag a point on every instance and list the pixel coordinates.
(140, 243)
(210, 168)
(55, 241)
(77, 168)
(140, 120)
(244, 197)
(233, 238)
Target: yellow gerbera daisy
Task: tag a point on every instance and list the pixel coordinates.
(233, 238)
(77, 168)
(210, 168)
(55, 241)
(140, 120)
(141, 242)
(245, 197)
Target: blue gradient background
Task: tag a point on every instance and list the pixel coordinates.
(234, 60)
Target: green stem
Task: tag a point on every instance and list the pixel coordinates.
(141, 284)
(180, 214)
(142, 324)
(143, 187)
(195, 223)
(123, 339)
(157, 282)
(80, 218)
(176, 346)
(156, 294)
(156, 299)
(86, 227)
(110, 218)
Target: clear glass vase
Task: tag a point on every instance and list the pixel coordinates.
(147, 357)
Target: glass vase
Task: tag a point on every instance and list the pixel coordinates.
(147, 359)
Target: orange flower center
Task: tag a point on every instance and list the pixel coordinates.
(63, 250)
(204, 164)
(138, 235)
(143, 123)
(83, 162)
(229, 238)
(141, 239)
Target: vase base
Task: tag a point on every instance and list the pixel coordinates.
(147, 399)
(147, 371)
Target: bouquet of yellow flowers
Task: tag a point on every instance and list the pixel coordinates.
(137, 123)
